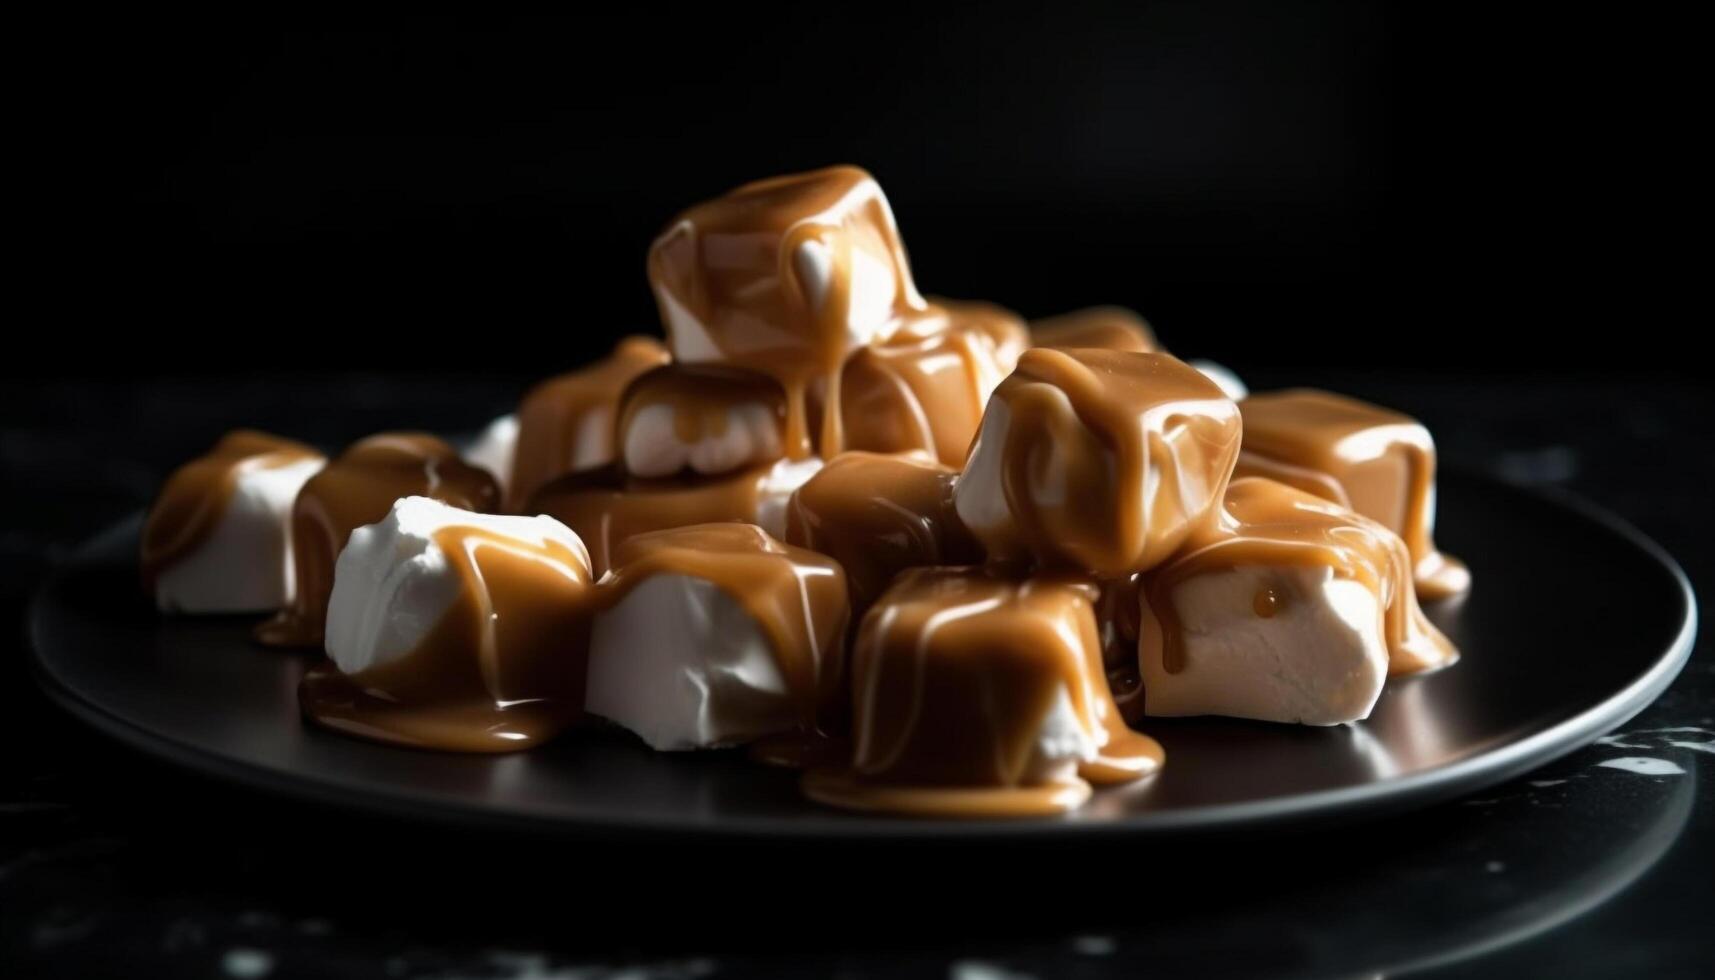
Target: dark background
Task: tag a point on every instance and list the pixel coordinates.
(1272, 184)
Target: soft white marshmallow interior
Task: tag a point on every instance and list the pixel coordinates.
(392, 583)
(684, 666)
(245, 564)
(493, 449)
(1320, 660)
(978, 496)
(778, 486)
(653, 447)
(1061, 743)
(1223, 378)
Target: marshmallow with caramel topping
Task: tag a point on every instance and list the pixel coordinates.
(455, 630)
(218, 538)
(1105, 327)
(706, 418)
(359, 487)
(786, 276)
(1375, 461)
(567, 423)
(716, 635)
(973, 693)
(606, 508)
(1097, 461)
(877, 515)
(1290, 609)
(925, 387)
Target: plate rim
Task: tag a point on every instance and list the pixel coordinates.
(1327, 806)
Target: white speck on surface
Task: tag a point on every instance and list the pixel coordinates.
(1094, 945)
(1617, 741)
(1708, 746)
(978, 970)
(1545, 783)
(247, 964)
(1644, 766)
(1495, 867)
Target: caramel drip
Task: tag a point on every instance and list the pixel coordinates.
(607, 510)
(502, 669)
(567, 422)
(357, 488)
(796, 596)
(726, 275)
(1272, 525)
(702, 399)
(1111, 458)
(195, 497)
(925, 387)
(878, 515)
(954, 672)
(1377, 462)
(1105, 327)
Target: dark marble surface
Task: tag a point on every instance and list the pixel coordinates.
(114, 865)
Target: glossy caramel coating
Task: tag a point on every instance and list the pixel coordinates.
(567, 422)
(878, 515)
(1105, 327)
(501, 670)
(924, 388)
(1378, 462)
(785, 276)
(359, 487)
(1098, 461)
(1271, 524)
(954, 673)
(195, 497)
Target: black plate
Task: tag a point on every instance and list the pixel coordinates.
(1576, 622)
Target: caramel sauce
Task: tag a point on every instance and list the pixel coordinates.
(357, 488)
(796, 596)
(1267, 603)
(702, 399)
(196, 495)
(732, 285)
(1110, 460)
(925, 387)
(878, 515)
(567, 422)
(502, 669)
(607, 510)
(1271, 524)
(1106, 327)
(1375, 461)
(954, 672)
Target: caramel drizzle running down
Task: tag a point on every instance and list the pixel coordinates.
(1105, 327)
(502, 669)
(1269, 524)
(954, 672)
(357, 488)
(729, 266)
(877, 515)
(924, 388)
(1319, 443)
(196, 496)
(1146, 440)
(567, 423)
